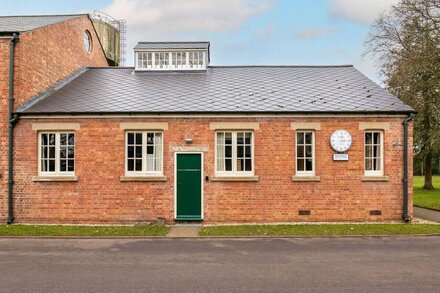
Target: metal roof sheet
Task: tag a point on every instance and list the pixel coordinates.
(171, 45)
(30, 22)
(234, 89)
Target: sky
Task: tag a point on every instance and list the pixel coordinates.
(241, 32)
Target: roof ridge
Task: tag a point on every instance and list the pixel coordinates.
(243, 66)
(45, 15)
(172, 42)
(281, 66)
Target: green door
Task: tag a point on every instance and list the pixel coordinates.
(189, 187)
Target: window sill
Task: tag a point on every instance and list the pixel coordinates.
(375, 178)
(306, 178)
(143, 178)
(234, 178)
(54, 178)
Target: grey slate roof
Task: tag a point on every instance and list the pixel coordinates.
(171, 45)
(30, 22)
(235, 89)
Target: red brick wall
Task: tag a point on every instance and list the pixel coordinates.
(50, 54)
(42, 58)
(100, 197)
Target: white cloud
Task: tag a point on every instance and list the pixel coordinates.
(169, 17)
(182, 20)
(312, 33)
(264, 32)
(360, 11)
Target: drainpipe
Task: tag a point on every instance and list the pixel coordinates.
(12, 120)
(405, 167)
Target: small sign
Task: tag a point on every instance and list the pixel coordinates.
(340, 157)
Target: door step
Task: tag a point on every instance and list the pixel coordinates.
(184, 231)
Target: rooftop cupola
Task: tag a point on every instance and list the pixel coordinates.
(171, 56)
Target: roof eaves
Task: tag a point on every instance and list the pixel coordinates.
(189, 113)
(33, 101)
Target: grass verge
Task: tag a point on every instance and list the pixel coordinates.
(320, 230)
(426, 198)
(55, 230)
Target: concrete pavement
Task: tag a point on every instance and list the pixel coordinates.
(427, 214)
(390, 264)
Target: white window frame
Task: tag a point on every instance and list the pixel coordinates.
(144, 171)
(305, 173)
(57, 171)
(234, 171)
(374, 172)
(170, 66)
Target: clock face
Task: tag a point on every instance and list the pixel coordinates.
(340, 141)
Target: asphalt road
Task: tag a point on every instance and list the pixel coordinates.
(427, 214)
(398, 264)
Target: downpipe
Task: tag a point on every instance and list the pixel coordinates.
(405, 123)
(12, 120)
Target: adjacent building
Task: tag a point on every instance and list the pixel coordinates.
(36, 53)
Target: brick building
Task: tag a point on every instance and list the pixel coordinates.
(178, 139)
(46, 50)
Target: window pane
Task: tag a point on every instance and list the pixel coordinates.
(309, 137)
(138, 165)
(300, 138)
(228, 138)
(130, 138)
(240, 138)
(44, 165)
(300, 164)
(63, 165)
(376, 151)
(51, 166)
(52, 139)
(138, 138)
(368, 151)
(368, 164)
(71, 152)
(300, 151)
(240, 165)
(150, 150)
(70, 166)
(376, 137)
(63, 139)
(130, 165)
(247, 151)
(248, 165)
(71, 140)
(368, 138)
(44, 139)
(248, 138)
(309, 165)
(240, 153)
(150, 138)
(228, 164)
(228, 151)
(51, 152)
(63, 152)
(309, 151)
(130, 152)
(158, 164)
(138, 151)
(220, 137)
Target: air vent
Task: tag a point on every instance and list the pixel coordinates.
(304, 212)
(375, 212)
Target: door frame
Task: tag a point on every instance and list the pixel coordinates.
(175, 180)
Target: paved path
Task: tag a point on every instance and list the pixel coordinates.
(427, 214)
(399, 264)
(184, 231)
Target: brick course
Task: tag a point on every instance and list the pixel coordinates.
(100, 197)
(43, 57)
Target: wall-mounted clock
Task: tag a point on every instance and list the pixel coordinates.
(340, 140)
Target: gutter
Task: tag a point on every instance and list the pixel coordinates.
(405, 123)
(13, 118)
